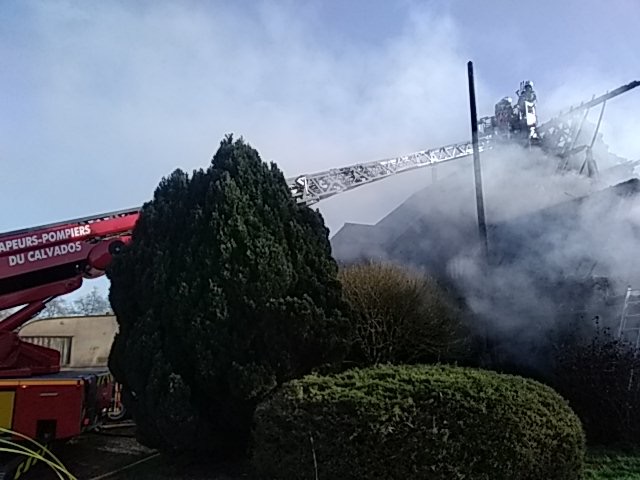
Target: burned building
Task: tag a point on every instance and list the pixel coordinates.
(560, 246)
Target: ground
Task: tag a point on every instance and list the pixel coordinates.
(112, 455)
(115, 454)
(161, 469)
(93, 455)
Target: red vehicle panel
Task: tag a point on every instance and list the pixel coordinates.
(47, 247)
(40, 259)
(37, 403)
(38, 238)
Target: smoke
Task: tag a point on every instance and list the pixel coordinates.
(560, 245)
(621, 120)
(147, 87)
(554, 241)
(617, 139)
(105, 98)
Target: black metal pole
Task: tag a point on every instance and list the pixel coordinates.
(482, 226)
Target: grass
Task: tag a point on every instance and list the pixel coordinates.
(602, 464)
(606, 464)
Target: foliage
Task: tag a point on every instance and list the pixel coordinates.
(601, 380)
(604, 464)
(400, 316)
(58, 307)
(417, 422)
(227, 290)
(92, 303)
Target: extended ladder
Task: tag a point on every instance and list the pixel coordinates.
(629, 329)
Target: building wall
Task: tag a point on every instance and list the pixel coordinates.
(88, 339)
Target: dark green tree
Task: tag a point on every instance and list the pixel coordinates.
(227, 290)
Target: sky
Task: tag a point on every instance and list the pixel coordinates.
(100, 100)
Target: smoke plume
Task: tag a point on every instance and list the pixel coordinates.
(559, 244)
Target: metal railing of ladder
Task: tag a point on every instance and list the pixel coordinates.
(630, 323)
(630, 318)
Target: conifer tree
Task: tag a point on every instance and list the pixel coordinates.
(227, 290)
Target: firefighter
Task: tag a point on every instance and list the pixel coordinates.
(526, 120)
(526, 94)
(503, 115)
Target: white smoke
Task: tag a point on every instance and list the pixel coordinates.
(532, 255)
(105, 98)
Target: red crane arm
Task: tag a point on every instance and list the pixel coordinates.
(36, 242)
(39, 264)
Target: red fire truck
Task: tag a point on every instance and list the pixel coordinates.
(37, 398)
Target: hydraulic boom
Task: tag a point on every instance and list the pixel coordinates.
(40, 264)
(552, 137)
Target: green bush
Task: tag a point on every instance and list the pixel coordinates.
(400, 316)
(417, 422)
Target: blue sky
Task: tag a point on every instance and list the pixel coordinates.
(101, 99)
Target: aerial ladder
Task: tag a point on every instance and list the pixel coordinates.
(42, 263)
(556, 138)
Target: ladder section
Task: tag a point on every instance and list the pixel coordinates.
(629, 329)
(309, 189)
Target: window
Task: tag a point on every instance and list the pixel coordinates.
(61, 344)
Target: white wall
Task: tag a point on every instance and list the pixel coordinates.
(91, 337)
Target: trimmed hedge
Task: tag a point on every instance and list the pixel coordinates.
(417, 422)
